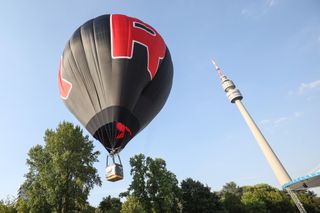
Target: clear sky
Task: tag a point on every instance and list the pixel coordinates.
(269, 48)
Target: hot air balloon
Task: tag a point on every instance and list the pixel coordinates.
(115, 76)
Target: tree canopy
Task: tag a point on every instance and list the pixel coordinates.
(230, 197)
(132, 205)
(153, 185)
(198, 198)
(265, 198)
(61, 173)
(110, 205)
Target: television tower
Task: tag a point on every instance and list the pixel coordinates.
(235, 96)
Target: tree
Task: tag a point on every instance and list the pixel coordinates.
(232, 188)
(21, 206)
(110, 205)
(132, 205)
(309, 200)
(61, 173)
(153, 185)
(7, 206)
(198, 198)
(138, 187)
(232, 203)
(264, 198)
(231, 198)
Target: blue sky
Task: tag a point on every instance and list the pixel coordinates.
(269, 48)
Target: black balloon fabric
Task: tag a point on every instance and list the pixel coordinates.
(115, 75)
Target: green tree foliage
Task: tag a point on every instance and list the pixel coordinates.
(232, 188)
(264, 198)
(88, 209)
(231, 198)
(232, 203)
(153, 185)
(132, 205)
(138, 187)
(110, 205)
(21, 206)
(7, 206)
(198, 198)
(309, 200)
(61, 173)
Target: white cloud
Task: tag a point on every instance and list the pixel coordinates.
(306, 40)
(298, 114)
(308, 86)
(270, 3)
(244, 12)
(265, 122)
(273, 123)
(281, 120)
(258, 8)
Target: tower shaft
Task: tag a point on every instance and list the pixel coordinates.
(278, 169)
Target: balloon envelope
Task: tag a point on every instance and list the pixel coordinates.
(115, 75)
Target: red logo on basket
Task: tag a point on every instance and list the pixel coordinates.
(126, 31)
(122, 129)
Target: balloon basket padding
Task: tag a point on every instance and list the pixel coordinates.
(114, 172)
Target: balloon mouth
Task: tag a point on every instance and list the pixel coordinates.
(114, 136)
(118, 128)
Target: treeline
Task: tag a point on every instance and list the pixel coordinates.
(155, 189)
(61, 175)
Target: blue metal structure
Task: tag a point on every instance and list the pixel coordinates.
(305, 182)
